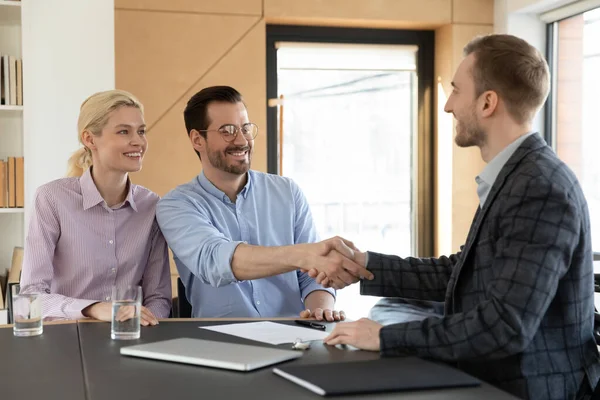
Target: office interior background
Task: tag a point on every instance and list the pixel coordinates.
(348, 95)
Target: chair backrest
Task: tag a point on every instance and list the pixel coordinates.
(184, 307)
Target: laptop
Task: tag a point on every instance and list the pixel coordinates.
(208, 353)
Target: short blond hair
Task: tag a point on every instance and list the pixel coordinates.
(514, 69)
(93, 116)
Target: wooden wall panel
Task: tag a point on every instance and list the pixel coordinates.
(473, 11)
(161, 55)
(374, 13)
(240, 7)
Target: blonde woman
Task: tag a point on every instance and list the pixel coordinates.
(95, 229)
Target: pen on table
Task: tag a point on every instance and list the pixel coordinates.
(310, 324)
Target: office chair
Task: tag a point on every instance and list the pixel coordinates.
(184, 307)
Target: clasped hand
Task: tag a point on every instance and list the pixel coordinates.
(335, 263)
(102, 311)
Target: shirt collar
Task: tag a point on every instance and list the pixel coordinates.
(493, 168)
(91, 195)
(129, 199)
(218, 193)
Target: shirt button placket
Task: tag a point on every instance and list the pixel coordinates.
(112, 273)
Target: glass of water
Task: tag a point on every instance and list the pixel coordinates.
(26, 313)
(126, 310)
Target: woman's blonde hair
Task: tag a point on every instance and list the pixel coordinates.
(93, 116)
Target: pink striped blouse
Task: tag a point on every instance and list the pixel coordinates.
(78, 248)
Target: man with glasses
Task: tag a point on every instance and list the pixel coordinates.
(242, 240)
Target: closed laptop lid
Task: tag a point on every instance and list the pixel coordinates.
(208, 353)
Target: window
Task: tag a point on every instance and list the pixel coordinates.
(353, 129)
(572, 119)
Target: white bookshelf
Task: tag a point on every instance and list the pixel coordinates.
(60, 69)
(11, 130)
(12, 210)
(10, 108)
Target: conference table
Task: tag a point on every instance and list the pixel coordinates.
(77, 360)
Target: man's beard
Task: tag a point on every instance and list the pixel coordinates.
(471, 135)
(218, 160)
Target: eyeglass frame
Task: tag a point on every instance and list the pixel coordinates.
(238, 129)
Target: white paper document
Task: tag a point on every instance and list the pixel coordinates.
(269, 332)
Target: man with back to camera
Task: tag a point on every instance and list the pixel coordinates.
(519, 305)
(241, 238)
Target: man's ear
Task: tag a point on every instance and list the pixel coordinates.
(197, 140)
(489, 103)
(89, 140)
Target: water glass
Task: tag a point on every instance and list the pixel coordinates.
(126, 310)
(26, 313)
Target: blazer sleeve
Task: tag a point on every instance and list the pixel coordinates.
(538, 229)
(414, 278)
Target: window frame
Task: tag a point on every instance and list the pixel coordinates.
(425, 163)
(552, 18)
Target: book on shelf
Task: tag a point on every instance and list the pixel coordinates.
(12, 182)
(11, 80)
(13, 278)
(14, 275)
(12, 77)
(5, 81)
(3, 185)
(12, 187)
(19, 182)
(2, 96)
(19, 85)
(3, 283)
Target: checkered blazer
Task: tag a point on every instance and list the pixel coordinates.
(519, 307)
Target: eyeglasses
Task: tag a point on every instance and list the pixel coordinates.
(229, 131)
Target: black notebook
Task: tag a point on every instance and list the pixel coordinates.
(382, 375)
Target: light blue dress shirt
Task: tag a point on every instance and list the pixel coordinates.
(485, 180)
(203, 227)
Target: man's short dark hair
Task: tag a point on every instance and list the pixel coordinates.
(195, 114)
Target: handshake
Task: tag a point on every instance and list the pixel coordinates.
(334, 262)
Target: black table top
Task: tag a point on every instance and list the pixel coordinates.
(44, 367)
(79, 361)
(109, 375)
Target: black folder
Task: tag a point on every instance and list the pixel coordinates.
(382, 375)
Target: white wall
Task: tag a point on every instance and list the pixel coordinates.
(68, 53)
(534, 6)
